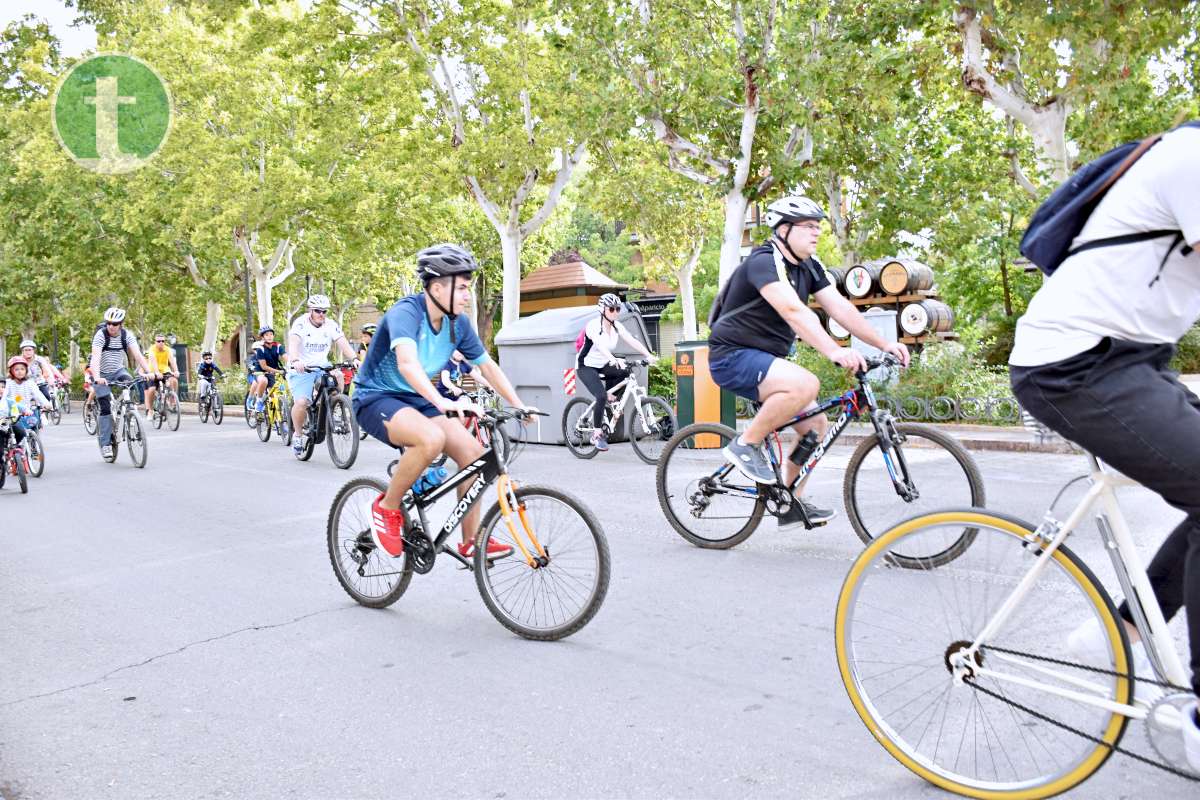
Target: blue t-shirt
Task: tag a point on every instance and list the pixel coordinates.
(456, 369)
(408, 321)
(270, 353)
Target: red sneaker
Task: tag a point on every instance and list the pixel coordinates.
(494, 549)
(387, 528)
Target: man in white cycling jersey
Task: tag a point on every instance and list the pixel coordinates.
(309, 340)
(1091, 361)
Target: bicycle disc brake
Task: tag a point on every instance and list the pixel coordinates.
(420, 550)
(1164, 730)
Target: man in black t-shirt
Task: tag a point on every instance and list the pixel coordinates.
(755, 321)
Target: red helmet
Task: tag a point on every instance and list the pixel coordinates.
(12, 362)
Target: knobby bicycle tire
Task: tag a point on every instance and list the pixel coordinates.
(944, 441)
(19, 471)
(680, 443)
(134, 432)
(339, 406)
(642, 440)
(337, 543)
(580, 448)
(37, 454)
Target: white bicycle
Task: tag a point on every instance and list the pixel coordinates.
(650, 424)
(963, 671)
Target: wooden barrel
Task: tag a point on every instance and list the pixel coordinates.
(904, 276)
(861, 279)
(926, 316)
(837, 278)
(836, 329)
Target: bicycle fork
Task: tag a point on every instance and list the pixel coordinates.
(535, 556)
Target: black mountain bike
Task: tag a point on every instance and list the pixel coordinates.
(901, 469)
(550, 585)
(330, 420)
(210, 402)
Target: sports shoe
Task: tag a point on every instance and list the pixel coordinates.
(494, 549)
(600, 440)
(750, 460)
(387, 528)
(1089, 644)
(260, 404)
(107, 452)
(298, 444)
(794, 516)
(1191, 734)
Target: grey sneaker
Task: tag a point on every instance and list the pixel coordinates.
(600, 440)
(795, 516)
(107, 452)
(816, 514)
(750, 460)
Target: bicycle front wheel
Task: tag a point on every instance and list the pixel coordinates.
(66, 403)
(577, 428)
(218, 409)
(37, 454)
(157, 413)
(90, 418)
(941, 472)
(650, 437)
(18, 467)
(341, 435)
(202, 409)
(898, 633)
(55, 415)
(135, 438)
(263, 425)
(565, 585)
(171, 405)
(248, 408)
(370, 576)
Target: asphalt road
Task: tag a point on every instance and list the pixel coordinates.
(177, 631)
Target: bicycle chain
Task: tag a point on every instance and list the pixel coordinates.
(1094, 739)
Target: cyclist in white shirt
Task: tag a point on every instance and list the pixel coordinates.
(596, 366)
(1091, 361)
(309, 341)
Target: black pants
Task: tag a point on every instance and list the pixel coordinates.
(1121, 403)
(598, 382)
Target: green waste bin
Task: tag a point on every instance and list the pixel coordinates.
(699, 398)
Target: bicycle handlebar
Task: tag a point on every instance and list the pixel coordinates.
(874, 362)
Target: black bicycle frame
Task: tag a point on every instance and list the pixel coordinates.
(320, 402)
(854, 404)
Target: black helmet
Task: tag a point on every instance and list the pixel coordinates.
(443, 260)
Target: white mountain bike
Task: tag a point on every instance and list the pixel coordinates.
(963, 671)
(650, 425)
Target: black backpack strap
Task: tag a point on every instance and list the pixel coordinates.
(1128, 238)
(1185, 251)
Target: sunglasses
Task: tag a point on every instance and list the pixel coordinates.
(160, 341)
(115, 324)
(317, 310)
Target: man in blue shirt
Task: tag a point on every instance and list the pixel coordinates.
(268, 362)
(395, 399)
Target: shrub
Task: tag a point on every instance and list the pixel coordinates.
(662, 379)
(1187, 360)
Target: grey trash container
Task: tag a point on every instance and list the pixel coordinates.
(534, 352)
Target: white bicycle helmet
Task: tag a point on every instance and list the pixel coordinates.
(114, 314)
(27, 343)
(792, 209)
(608, 300)
(318, 301)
